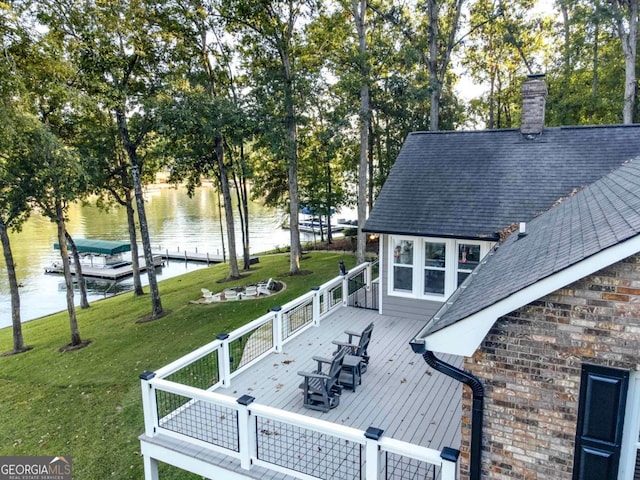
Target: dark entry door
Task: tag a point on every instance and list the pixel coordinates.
(603, 395)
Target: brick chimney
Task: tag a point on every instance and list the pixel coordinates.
(534, 96)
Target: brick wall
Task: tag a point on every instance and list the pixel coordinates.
(534, 96)
(530, 365)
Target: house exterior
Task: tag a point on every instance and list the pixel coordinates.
(541, 321)
(521, 247)
(451, 196)
(550, 325)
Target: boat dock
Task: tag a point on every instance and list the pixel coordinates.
(196, 256)
(109, 273)
(102, 259)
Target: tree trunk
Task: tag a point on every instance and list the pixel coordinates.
(371, 166)
(82, 284)
(228, 209)
(294, 204)
(133, 240)
(292, 170)
(243, 209)
(64, 255)
(434, 84)
(596, 61)
(359, 15)
(329, 200)
(438, 70)
(18, 340)
(220, 224)
(629, 40)
(566, 47)
(246, 239)
(130, 148)
(156, 304)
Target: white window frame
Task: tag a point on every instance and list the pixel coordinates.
(467, 242)
(631, 430)
(451, 265)
(392, 265)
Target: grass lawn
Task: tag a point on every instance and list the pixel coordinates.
(87, 403)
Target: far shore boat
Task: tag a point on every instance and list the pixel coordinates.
(317, 226)
(103, 259)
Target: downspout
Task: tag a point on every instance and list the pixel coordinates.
(472, 382)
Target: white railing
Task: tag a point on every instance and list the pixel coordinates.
(178, 402)
(283, 441)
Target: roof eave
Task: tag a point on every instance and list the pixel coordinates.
(465, 336)
(485, 237)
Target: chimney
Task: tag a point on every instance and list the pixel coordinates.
(534, 96)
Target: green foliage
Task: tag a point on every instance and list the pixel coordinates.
(586, 81)
(505, 43)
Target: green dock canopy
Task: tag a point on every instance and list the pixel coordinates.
(104, 247)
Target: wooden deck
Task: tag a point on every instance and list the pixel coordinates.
(399, 393)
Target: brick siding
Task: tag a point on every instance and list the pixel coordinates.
(530, 364)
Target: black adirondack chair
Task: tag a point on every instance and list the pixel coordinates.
(359, 349)
(320, 388)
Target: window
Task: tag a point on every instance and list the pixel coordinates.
(434, 267)
(431, 268)
(468, 259)
(403, 266)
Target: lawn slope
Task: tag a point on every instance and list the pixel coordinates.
(87, 403)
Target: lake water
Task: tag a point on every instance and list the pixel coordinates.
(175, 222)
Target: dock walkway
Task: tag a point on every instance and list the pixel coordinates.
(196, 256)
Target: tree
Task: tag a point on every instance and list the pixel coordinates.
(39, 164)
(193, 125)
(107, 168)
(359, 11)
(503, 46)
(585, 70)
(60, 182)
(323, 146)
(625, 14)
(21, 140)
(273, 45)
(14, 206)
(206, 96)
(120, 59)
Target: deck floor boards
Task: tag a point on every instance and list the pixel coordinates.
(399, 394)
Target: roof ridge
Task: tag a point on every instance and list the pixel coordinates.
(517, 129)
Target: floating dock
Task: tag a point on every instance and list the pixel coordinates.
(199, 257)
(109, 273)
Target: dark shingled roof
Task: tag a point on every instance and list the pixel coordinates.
(600, 216)
(474, 184)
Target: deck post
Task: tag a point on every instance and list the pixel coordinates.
(368, 275)
(372, 452)
(149, 407)
(450, 463)
(345, 290)
(277, 328)
(224, 365)
(316, 306)
(150, 468)
(246, 431)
